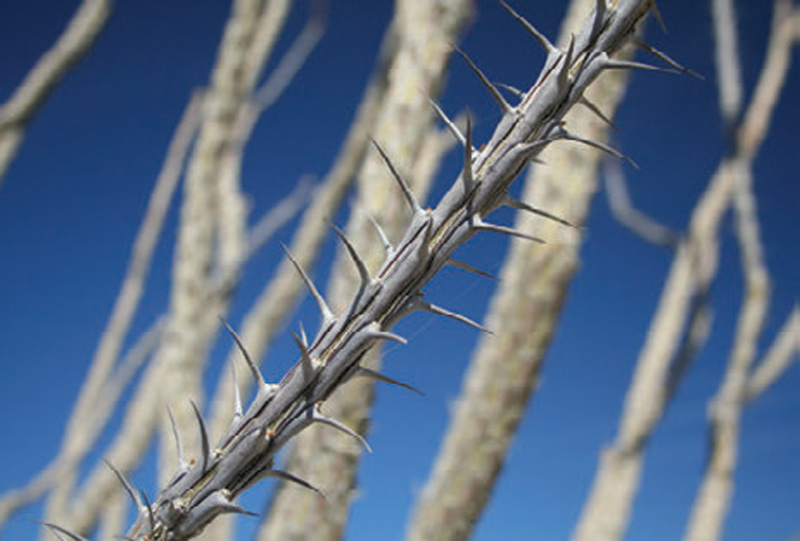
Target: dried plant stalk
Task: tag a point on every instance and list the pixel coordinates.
(725, 411)
(71, 46)
(206, 486)
(682, 309)
(523, 317)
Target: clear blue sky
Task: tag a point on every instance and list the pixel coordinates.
(71, 202)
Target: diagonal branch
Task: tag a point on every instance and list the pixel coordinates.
(71, 46)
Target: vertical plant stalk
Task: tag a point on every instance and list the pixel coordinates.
(193, 318)
(85, 422)
(725, 410)
(326, 458)
(70, 47)
(175, 373)
(523, 316)
(666, 353)
(206, 486)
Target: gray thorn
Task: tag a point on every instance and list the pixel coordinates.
(177, 436)
(543, 41)
(205, 447)
(434, 309)
(469, 268)
(362, 371)
(126, 485)
(657, 14)
(514, 90)
(151, 518)
(630, 64)
(327, 315)
(303, 334)
(599, 146)
(58, 531)
(449, 123)
(237, 396)
(521, 205)
(286, 476)
(387, 246)
(486, 226)
(599, 15)
(305, 357)
(563, 75)
(318, 417)
(225, 505)
(583, 100)
(386, 335)
(363, 272)
(498, 97)
(666, 59)
(239, 344)
(409, 195)
(469, 179)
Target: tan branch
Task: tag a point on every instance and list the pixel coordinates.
(424, 33)
(623, 210)
(523, 315)
(607, 511)
(70, 47)
(784, 351)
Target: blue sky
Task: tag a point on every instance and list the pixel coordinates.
(71, 202)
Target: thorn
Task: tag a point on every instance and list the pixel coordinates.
(630, 64)
(599, 15)
(303, 334)
(58, 531)
(318, 417)
(237, 397)
(498, 97)
(327, 315)
(177, 436)
(543, 41)
(599, 146)
(126, 485)
(469, 268)
(514, 90)
(469, 179)
(363, 272)
(374, 332)
(480, 225)
(583, 100)
(432, 308)
(563, 75)
(151, 518)
(521, 205)
(409, 195)
(666, 59)
(387, 246)
(449, 123)
(239, 344)
(220, 501)
(657, 14)
(305, 356)
(285, 476)
(205, 447)
(362, 371)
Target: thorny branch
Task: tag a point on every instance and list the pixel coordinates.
(206, 486)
